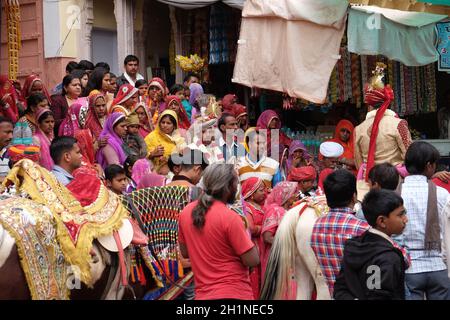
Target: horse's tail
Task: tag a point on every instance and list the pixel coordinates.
(281, 262)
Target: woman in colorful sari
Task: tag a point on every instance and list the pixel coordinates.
(8, 98)
(195, 91)
(164, 140)
(34, 84)
(156, 95)
(127, 97)
(344, 136)
(278, 202)
(270, 120)
(44, 136)
(254, 194)
(115, 129)
(298, 156)
(60, 103)
(35, 102)
(174, 103)
(96, 116)
(145, 119)
(74, 126)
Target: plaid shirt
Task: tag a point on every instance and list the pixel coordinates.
(328, 238)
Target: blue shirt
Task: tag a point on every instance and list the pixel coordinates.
(62, 175)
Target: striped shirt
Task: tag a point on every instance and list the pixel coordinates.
(415, 198)
(4, 163)
(328, 238)
(266, 168)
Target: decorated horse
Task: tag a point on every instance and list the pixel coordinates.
(292, 257)
(58, 242)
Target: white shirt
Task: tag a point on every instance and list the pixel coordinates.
(415, 197)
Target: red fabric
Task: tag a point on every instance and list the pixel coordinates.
(348, 146)
(302, 174)
(239, 110)
(28, 84)
(250, 186)
(183, 119)
(372, 97)
(228, 102)
(124, 91)
(442, 184)
(255, 217)
(85, 185)
(86, 144)
(6, 87)
(215, 251)
(323, 175)
(92, 122)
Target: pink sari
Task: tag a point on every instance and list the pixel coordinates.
(274, 212)
(45, 160)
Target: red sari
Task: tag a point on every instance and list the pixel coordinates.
(349, 148)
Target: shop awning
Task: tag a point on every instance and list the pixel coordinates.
(405, 36)
(290, 45)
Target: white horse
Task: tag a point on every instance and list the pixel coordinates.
(291, 255)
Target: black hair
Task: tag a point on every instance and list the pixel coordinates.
(123, 119)
(385, 175)
(189, 75)
(218, 180)
(3, 119)
(170, 162)
(129, 163)
(419, 154)
(130, 58)
(112, 75)
(339, 187)
(171, 118)
(103, 65)
(139, 83)
(66, 81)
(222, 119)
(380, 203)
(86, 65)
(59, 146)
(34, 99)
(176, 88)
(189, 159)
(96, 80)
(112, 171)
(45, 115)
(79, 73)
(72, 65)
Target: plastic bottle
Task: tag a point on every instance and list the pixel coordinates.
(17, 134)
(27, 134)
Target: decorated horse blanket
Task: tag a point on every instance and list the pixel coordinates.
(76, 225)
(158, 209)
(34, 229)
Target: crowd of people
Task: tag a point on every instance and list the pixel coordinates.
(384, 192)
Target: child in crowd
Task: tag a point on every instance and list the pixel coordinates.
(373, 267)
(180, 91)
(116, 180)
(134, 144)
(382, 176)
(128, 166)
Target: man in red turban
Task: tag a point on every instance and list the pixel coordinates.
(382, 137)
(305, 176)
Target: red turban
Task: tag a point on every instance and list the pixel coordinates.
(372, 97)
(126, 91)
(239, 110)
(250, 186)
(302, 174)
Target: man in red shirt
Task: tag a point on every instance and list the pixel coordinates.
(215, 239)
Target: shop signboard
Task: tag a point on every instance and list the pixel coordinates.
(443, 45)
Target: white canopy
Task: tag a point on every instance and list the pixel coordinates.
(193, 4)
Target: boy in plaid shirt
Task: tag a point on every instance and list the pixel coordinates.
(332, 230)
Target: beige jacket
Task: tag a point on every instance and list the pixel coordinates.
(393, 139)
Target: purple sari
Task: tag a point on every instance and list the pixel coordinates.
(114, 141)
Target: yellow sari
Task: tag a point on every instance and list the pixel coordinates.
(171, 143)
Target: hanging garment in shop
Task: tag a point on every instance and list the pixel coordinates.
(290, 45)
(408, 37)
